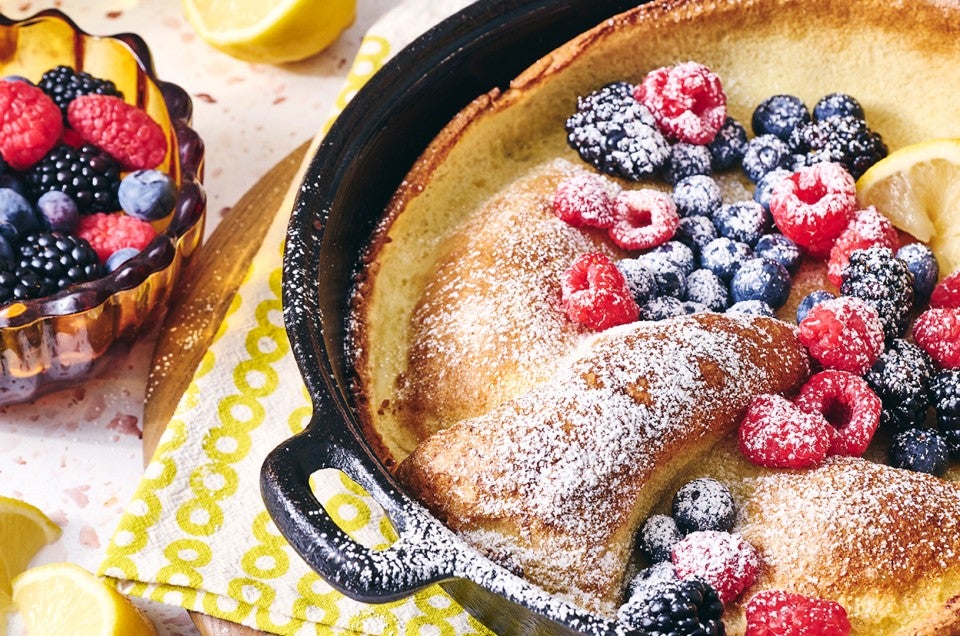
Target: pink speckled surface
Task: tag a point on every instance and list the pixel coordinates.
(76, 454)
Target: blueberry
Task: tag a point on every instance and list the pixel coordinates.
(706, 288)
(691, 307)
(652, 576)
(779, 115)
(703, 504)
(8, 256)
(679, 254)
(17, 217)
(778, 247)
(640, 280)
(766, 184)
(12, 182)
(761, 279)
(726, 149)
(658, 536)
(837, 105)
(751, 308)
(744, 221)
(696, 195)
(696, 232)
(58, 211)
(668, 275)
(810, 301)
(765, 154)
(685, 160)
(661, 308)
(121, 256)
(723, 257)
(923, 265)
(920, 450)
(148, 195)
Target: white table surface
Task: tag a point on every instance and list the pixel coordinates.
(76, 454)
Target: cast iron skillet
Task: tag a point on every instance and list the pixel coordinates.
(360, 163)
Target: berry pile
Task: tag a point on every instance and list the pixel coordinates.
(78, 182)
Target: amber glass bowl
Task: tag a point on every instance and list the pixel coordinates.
(58, 340)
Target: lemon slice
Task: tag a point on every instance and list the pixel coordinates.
(270, 31)
(918, 189)
(24, 529)
(63, 598)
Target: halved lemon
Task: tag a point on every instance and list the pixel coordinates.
(24, 529)
(918, 188)
(270, 31)
(64, 598)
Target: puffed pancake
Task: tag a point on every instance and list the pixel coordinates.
(554, 484)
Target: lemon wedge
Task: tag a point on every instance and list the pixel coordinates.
(270, 31)
(918, 188)
(24, 529)
(64, 598)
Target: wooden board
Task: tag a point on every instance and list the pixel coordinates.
(207, 288)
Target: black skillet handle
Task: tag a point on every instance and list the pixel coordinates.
(369, 576)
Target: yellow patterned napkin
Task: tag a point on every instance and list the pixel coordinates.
(196, 533)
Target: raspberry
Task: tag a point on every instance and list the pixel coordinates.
(775, 433)
(582, 200)
(868, 228)
(937, 331)
(814, 205)
(594, 293)
(108, 233)
(725, 561)
(843, 333)
(946, 294)
(124, 131)
(687, 100)
(30, 124)
(848, 403)
(779, 613)
(643, 219)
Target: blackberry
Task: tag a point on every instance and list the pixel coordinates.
(87, 175)
(615, 133)
(837, 105)
(62, 84)
(681, 608)
(920, 450)
(845, 139)
(901, 378)
(945, 398)
(18, 286)
(658, 536)
(704, 287)
(703, 504)
(697, 195)
(58, 260)
(685, 160)
(884, 282)
(779, 116)
(764, 154)
(726, 149)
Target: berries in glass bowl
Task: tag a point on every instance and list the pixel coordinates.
(62, 309)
